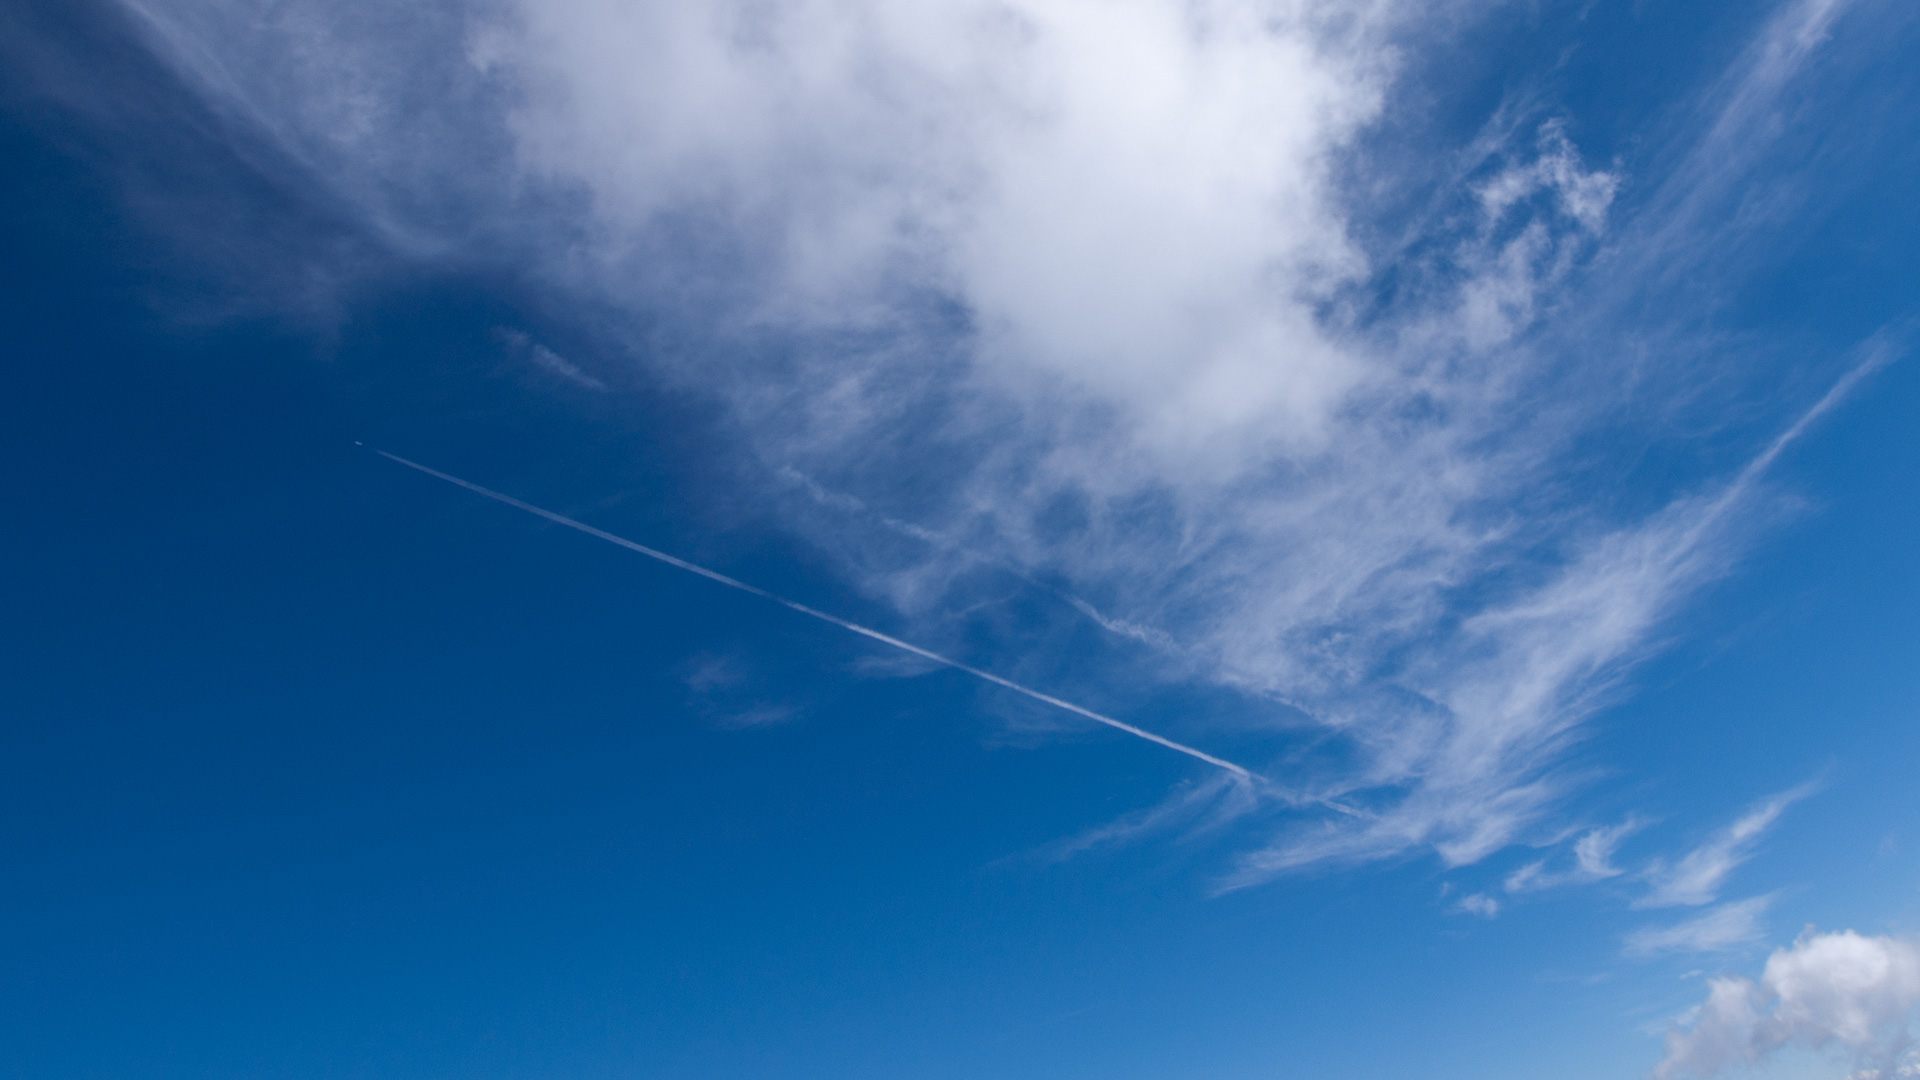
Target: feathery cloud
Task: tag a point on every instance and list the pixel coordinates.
(1592, 860)
(1094, 291)
(1696, 878)
(1721, 928)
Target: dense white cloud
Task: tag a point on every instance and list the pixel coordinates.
(1078, 289)
(1842, 989)
(1131, 200)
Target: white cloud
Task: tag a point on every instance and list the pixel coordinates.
(1721, 928)
(1190, 810)
(1079, 288)
(1130, 200)
(1592, 860)
(1696, 878)
(1902, 1068)
(522, 344)
(1593, 852)
(1478, 904)
(1841, 989)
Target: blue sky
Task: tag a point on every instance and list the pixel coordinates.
(1484, 429)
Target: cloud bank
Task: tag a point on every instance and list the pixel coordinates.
(1104, 295)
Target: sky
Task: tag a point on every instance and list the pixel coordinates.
(1016, 538)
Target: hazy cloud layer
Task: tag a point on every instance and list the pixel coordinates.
(1081, 291)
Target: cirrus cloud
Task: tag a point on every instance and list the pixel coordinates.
(1096, 293)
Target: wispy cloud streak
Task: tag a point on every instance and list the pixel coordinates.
(1592, 856)
(1720, 928)
(1512, 687)
(1696, 878)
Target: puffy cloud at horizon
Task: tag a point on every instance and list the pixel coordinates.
(1838, 989)
(1092, 282)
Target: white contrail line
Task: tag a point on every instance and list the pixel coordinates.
(734, 583)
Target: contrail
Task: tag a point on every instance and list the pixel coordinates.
(734, 583)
